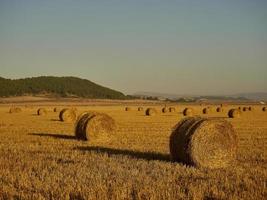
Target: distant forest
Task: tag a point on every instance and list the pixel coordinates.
(57, 86)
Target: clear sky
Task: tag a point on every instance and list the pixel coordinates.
(183, 47)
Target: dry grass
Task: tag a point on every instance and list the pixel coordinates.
(40, 158)
(15, 110)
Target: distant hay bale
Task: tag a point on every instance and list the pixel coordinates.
(56, 109)
(140, 109)
(171, 109)
(92, 126)
(67, 115)
(41, 111)
(219, 109)
(15, 110)
(245, 109)
(234, 113)
(164, 110)
(206, 111)
(264, 109)
(128, 109)
(151, 112)
(250, 108)
(188, 112)
(205, 143)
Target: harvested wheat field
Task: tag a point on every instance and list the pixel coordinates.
(41, 158)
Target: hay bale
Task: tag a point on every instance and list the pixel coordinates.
(250, 108)
(171, 109)
(219, 109)
(188, 112)
(56, 109)
(67, 115)
(206, 110)
(128, 109)
(245, 109)
(205, 143)
(41, 111)
(140, 109)
(93, 126)
(15, 110)
(151, 112)
(164, 110)
(234, 113)
(264, 109)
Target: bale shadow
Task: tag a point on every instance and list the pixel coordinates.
(129, 153)
(57, 136)
(55, 120)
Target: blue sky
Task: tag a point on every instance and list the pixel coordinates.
(183, 47)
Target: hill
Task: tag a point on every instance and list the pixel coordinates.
(56, 86)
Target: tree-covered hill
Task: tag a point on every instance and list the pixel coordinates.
(57, 86)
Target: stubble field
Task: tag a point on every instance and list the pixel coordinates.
(41, 159)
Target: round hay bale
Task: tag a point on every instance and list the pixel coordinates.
(171, 109)
(264, 109)
(234, 113)
(206, 111)
(15, 110)
(205, 143)
(219, 109)
(56, 109)
(128, 109)
(245, 109)
(67, 115)
(164, 110)
(250, 108)
(93, 126)
(41, 111)
(151, 112)
(140, 109)
(188, 112)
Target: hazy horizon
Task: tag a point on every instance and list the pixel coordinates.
(177, 47)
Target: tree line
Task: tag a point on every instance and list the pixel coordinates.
(58, 86)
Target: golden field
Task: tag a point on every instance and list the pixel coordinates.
(41, 159)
